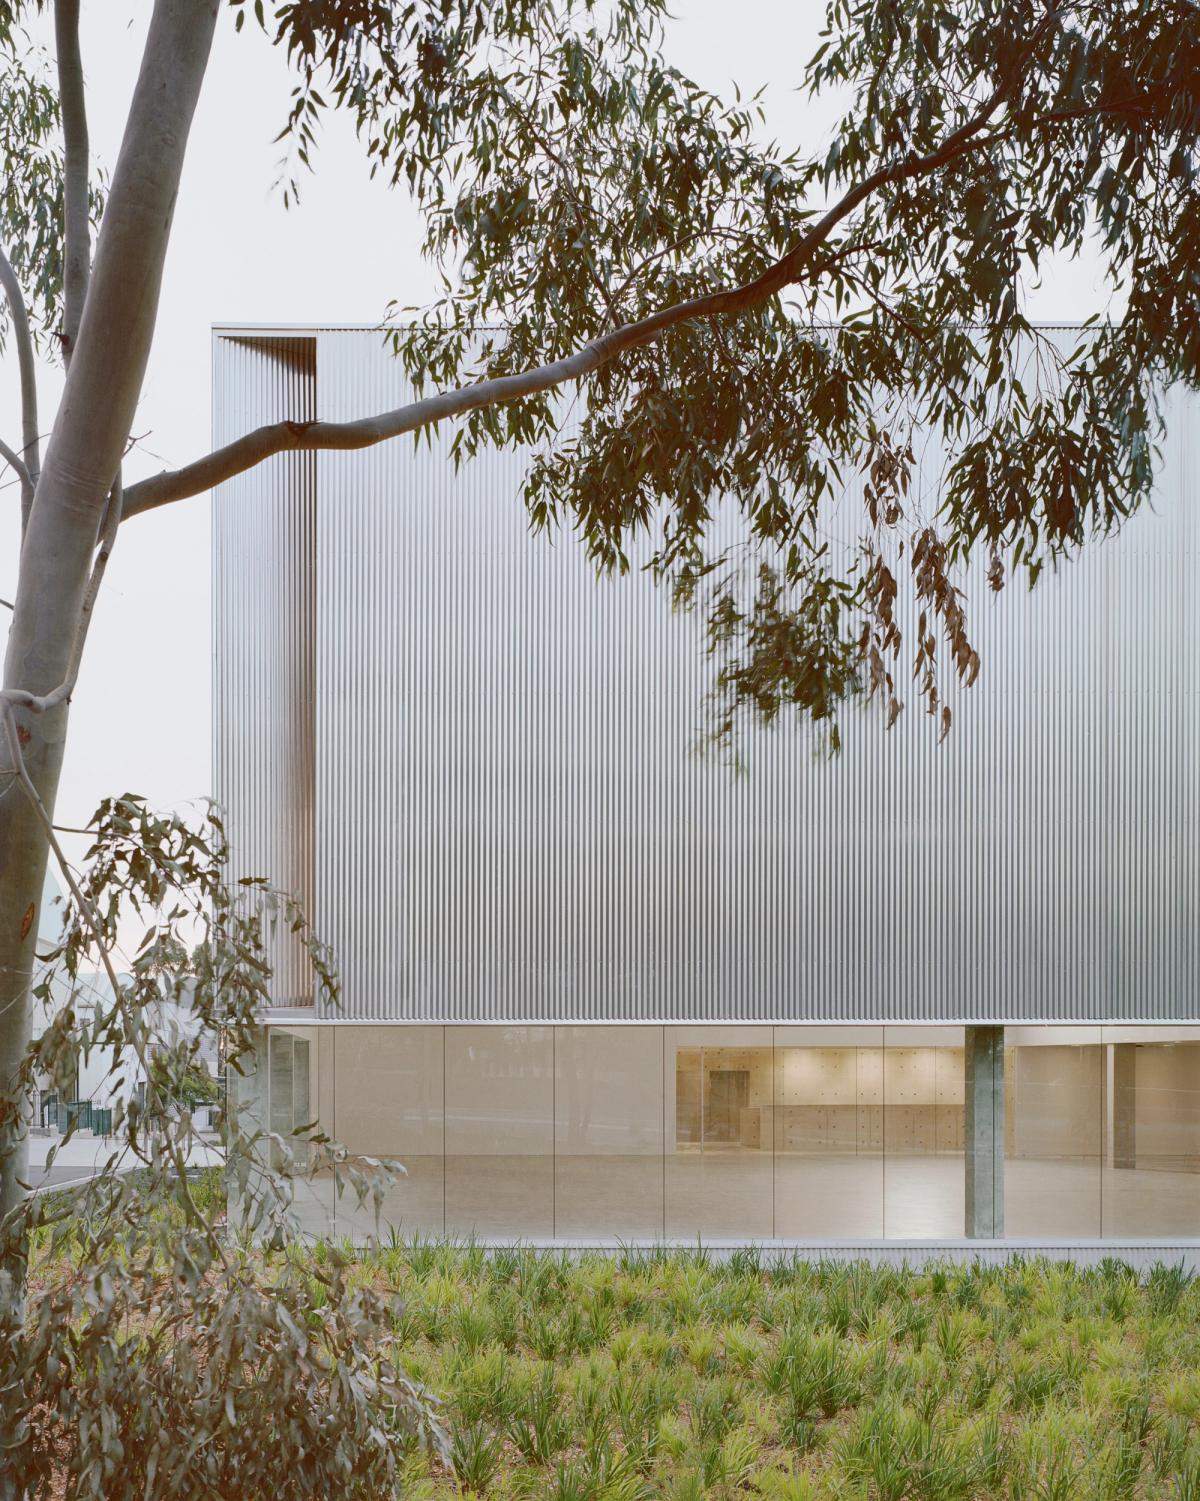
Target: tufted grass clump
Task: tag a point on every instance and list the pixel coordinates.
(649, 1374)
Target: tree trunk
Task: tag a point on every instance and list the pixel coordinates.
(82, 458)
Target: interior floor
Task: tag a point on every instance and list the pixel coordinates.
(751, 1195)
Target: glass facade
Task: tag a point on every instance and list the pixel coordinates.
(290, 1070)
(718, 1161)
(608, 1132)
(747, 1133)
(1152, 1177)
(1054, 1131)
(499, 1131)
(381, 1092)
(829, 1112)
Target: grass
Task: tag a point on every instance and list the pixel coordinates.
(653, 1374)
(666, 1374)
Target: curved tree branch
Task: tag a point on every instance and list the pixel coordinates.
(17, 465)
(77, 256)
(30, 438)
(281, 437)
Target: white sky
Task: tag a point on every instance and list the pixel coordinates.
(141, 718)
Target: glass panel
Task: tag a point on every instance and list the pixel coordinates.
(1054, 1131)
(718, 1084)
(829, 1103)
(923, 1159)
(387, 1102)
(500, 1131)
(301, 1114)
(608, 1132)
(300, 1084)
(1152, 1146)
(291, 1081)
(687, 1097)
(280, 1046)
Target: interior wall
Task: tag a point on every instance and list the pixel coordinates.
(828, 1098)
(1167, 1106)
(1054, 1102)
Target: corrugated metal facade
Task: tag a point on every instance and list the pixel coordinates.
(263, 643)
(511, 820)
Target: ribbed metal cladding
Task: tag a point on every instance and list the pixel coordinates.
(263, 634)
(513, 819)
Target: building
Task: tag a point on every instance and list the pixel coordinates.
(86, 1097)
(600, 984)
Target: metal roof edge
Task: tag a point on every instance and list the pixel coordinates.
(251, 329)
(306, 1015)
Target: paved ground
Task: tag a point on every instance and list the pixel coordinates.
(81, 1158)
(56, 1175)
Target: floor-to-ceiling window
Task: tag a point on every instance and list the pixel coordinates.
(923, 1158)
(387, 1099)
(608, 1132)
(1054, 1131)
(1102, 1132)
(1151, 1183)
(812, 1133)
(829, 1134)
(286, 1095)
(719, 1158)
(500, 1131)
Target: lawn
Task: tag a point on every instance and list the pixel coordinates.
(669, 1375)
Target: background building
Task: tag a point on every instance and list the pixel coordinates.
(85, 1098)
(602, 982)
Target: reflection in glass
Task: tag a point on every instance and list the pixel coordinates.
(923, 1110)
(500, 1131)
(387, 1103)
(291, 1092)
(829, 1132)
(1054, 1131)
(288, 1092)
(608, 1132)
(731, 1133)
(719, 1084)
(280, 1050)
(1152, 1146)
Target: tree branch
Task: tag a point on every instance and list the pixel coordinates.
(30, 437)
(72, 100)
(281, 437)
(16, 464)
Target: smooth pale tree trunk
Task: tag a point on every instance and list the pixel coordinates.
(81, 462)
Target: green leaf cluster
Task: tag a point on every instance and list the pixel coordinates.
(575, 184)
(164, 1342)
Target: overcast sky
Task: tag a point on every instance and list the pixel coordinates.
(141, 720)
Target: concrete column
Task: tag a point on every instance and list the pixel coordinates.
(984, 1132)
(1124, 1104)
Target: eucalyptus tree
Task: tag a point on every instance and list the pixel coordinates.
(746, 322)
